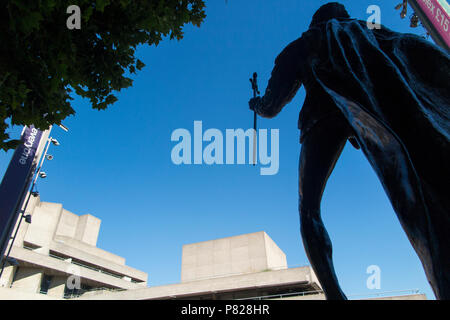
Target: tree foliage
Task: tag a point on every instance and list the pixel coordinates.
(43, 63)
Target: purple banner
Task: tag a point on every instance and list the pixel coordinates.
(16, 182)
(437, 12)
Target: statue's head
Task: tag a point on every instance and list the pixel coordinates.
(329, 11)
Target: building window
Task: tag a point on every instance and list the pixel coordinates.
(76, 292)
(45, 283)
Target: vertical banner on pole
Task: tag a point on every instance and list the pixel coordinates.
(16, 182)
(436, 14)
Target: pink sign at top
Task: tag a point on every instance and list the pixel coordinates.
(438, 12)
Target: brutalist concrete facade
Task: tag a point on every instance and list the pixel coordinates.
(56, 256)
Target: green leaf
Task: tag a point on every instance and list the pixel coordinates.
(45, 63)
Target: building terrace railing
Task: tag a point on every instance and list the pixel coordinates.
(82, 265)
(386, 293)
(351, 297)
(284, 295)
(79, 293)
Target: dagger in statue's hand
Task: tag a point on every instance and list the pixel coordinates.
(254, 83)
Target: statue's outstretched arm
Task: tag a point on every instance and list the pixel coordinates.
(283, 84)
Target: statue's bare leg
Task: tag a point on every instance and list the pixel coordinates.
(321, 148)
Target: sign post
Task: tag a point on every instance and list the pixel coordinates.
(435, 16)
(16, 181)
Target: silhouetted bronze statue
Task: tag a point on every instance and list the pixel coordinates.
(388, 94)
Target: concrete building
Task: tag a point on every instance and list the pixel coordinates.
(59, 248)
(249, 266)
(56, 257)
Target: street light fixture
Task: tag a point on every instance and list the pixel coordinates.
(28, 218)
(63, 127)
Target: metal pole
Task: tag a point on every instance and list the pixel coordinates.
(42, 161)
(5, 258)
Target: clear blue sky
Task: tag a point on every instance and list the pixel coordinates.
(116, 164)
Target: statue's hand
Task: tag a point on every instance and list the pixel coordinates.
(255, 104)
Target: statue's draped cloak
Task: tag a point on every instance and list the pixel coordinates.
(399, 82)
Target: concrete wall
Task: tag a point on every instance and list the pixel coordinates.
(7, 276)
(44, 221)
(241, 254)
(32, 203)
(88, 228)
(46, 262)
(28, 279)
(82, 228)
(19, 294)
(57, 286)
(58, 243)
(67, 224)
(67, 243)
(50, 219)
(215, 285)
(276, 259)
(98, 257)
(58, 230)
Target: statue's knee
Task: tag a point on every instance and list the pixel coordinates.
(310, 223)
(308, 212)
